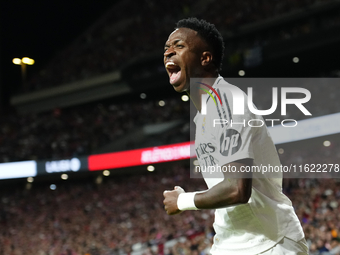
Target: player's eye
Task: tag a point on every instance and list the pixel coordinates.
(179, 46)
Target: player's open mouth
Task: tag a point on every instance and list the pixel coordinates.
(174, 72)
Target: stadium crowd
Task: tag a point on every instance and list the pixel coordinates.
(80, 130)
(125, 215)
(122, 35)
(83, 129)
(115, 217)
(110, 43)
(233, 15)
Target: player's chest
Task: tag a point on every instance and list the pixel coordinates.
(205, 139)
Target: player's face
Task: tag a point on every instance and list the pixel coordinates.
(182, 54)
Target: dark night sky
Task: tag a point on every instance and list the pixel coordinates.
(38, 29)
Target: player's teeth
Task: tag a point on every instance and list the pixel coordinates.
(170, 63)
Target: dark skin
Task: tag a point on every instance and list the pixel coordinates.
(187, 55)
(192, 56)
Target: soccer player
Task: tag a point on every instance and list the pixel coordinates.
(252, 214)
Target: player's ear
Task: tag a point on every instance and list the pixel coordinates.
(206, 58)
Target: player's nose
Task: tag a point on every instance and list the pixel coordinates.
(169, 53)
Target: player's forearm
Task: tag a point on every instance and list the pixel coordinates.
(226, 193)
(233, 190)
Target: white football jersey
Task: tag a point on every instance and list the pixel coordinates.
(268, 216)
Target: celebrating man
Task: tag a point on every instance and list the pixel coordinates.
(252, 214)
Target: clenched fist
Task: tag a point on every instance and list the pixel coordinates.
(170, 200)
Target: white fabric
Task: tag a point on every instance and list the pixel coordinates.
(288, 246)
(186, 201)
(269, 215)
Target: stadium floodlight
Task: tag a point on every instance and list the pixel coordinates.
(106, 172)
(16, 61)
(326, 143)
(150, 168)
(185, 98)
(27, 61)
(23, 63)
(64, 176)
(241, 73)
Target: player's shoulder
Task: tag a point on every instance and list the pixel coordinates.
(223, 86)
(230, 94)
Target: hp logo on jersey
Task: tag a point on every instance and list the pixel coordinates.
(230, 142)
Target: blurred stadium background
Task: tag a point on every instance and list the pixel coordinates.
(89, 142)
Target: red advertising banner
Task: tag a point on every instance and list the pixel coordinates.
(143, 156)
